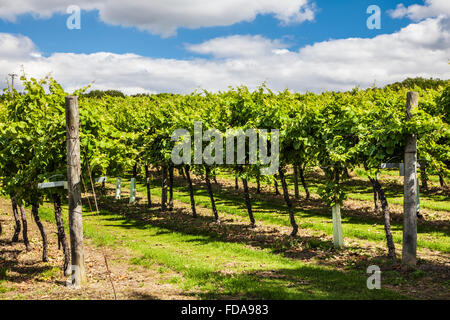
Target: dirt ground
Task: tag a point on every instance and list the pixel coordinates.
(28, 278)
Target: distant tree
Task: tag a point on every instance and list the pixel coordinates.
(102, 93)
(420, 82)
(158, 95)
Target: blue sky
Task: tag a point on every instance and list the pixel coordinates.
(43, 33)
(334, 19)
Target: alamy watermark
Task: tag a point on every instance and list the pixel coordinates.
(374, 280)
(374, 21)
(259, 143)
(71, 282)
(74, 20)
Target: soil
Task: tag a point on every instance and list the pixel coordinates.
(28, 278)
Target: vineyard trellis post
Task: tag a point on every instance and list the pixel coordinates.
(338, 238)
(118, 187)
(132, 190)
(410, 190)
(74, 188)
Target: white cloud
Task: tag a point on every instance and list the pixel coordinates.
(420, 49)
(165, 16)
(237, 46)
(431, 8)
(16, 47)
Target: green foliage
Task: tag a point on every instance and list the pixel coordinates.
(333, 130)
(33, 139)
(411, 83)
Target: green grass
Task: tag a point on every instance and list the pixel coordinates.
(362, 190)
(425, 202)
(49, 274)
(275, 213)
(210, 268)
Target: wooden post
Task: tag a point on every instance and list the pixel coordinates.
(410, 190)
(74, 187)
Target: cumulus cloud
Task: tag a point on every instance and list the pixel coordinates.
(431, 8)
(16, 48)
(420, 49)
(238, 46)
(165, 16)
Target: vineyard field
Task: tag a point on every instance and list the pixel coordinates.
(213, 230)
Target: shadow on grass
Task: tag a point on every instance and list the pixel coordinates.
(302, 248)
(266, 203)
(306, 282)
(9, 263)
(180, 220)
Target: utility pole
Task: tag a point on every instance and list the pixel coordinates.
(12, 75)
